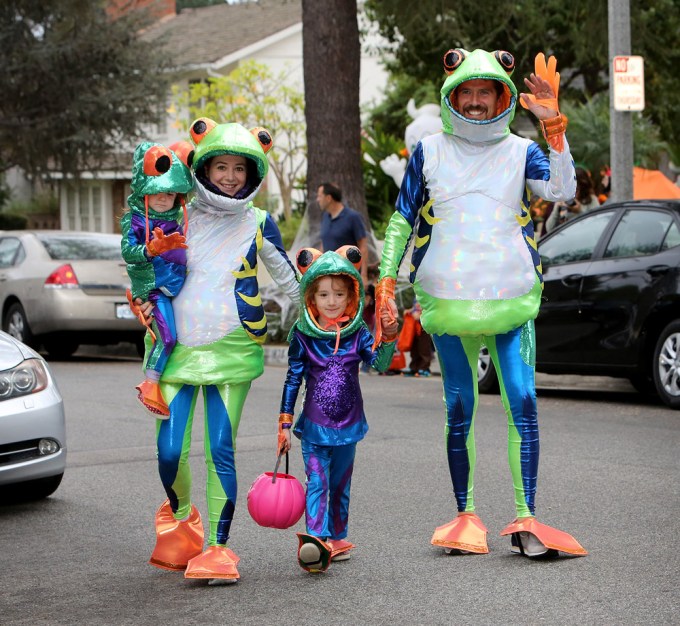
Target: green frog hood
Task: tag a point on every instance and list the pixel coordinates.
(313, 265)
(212, 139)
(158, 169)
(461, 66)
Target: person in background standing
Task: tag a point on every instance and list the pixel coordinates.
(341, 225)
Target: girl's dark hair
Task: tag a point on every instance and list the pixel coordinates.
(584, 185)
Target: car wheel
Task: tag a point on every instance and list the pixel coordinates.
(140, 346)
(16, 324)
(59, 348)
(487, 381)
(30, 489)
(666, 365)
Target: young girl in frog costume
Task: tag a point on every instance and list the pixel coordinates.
(328, 342)
(221, 326)
(476, 271)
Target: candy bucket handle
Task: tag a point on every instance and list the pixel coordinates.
(276, 467)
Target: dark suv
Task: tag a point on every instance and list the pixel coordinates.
(611, 303)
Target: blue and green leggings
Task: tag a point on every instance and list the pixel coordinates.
(223, 405)
(513, 355)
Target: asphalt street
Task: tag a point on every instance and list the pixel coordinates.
(609, 474)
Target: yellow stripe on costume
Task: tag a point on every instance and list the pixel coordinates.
(258, 239)
(427, 216)
(523, 220)
(421, 241)
(247, 272)
(255, 300)
(261, 339)
(259, 325)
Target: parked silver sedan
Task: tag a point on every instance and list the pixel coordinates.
(65, 288)
(32, 424)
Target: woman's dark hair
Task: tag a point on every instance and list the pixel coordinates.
(584, 185)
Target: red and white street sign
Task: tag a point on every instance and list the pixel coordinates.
(629, 83)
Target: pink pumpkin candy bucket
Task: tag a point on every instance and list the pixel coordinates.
(276, 500)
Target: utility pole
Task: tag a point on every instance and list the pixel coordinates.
(620, 122)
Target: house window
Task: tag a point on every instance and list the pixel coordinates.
(84, 207)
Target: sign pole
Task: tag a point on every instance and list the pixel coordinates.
(621, 122)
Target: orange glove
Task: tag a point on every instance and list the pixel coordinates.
(553, 128)
(384, 292)
(283, 441)
(135, 308)
(162, 243)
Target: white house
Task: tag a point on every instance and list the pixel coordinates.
(207, 42)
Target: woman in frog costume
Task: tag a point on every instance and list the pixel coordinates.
(476, 271)
(221, 326)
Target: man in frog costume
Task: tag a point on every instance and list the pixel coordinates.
(221, 326)
(476, 271)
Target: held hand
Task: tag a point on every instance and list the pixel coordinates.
(384, 292)
(283, 442)
(142, 311)
(162, 243)
(388, 319)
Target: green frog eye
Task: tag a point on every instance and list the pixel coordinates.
(157, 160)
(184, 151)
(452, 60)
(200, 128)
(305, 258)
(264, 137)
(506, 60)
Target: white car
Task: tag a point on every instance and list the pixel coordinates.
(32, 424)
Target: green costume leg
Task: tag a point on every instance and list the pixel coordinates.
(223, 408)
(173, 440)
(514, 355)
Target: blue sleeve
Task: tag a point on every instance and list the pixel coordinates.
(358, 227)
(538, 164)
(381, 357)
(413, 193)
(297, 366)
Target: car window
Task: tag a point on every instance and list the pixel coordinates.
(672, 238)
(82, 247)
(576, 241)
(11, 251)
(639, 233)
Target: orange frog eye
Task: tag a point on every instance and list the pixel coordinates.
(305, 257)
(506, 60)
(200, 128)
(352, 254)
(264, 137)
(452, 59)
(157, 160)
(184, 151)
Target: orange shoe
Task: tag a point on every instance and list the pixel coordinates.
(531, 538)
(151, 397)
(465, 533)
(217, 563)
(176, 542)
(340, 549)
(314, 554)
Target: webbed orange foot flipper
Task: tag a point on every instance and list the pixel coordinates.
(176, 542)
(314, 555)
(531, 538)
(466, 533)
(340, 549)
(149, 394)
(216, 563)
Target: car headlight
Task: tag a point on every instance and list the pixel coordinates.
(22, 380)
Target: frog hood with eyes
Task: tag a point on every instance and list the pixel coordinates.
(158, 169)
(313, 265)
(461, 65)
(212, 139)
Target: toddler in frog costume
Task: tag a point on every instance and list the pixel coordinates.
(153, 246)
(476, 271)
(221, 326)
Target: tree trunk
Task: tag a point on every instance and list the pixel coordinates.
(331, 61)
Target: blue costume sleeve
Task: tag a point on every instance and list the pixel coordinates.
(413, 193)
(381, 357)
(297, 366)
(551, 178)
